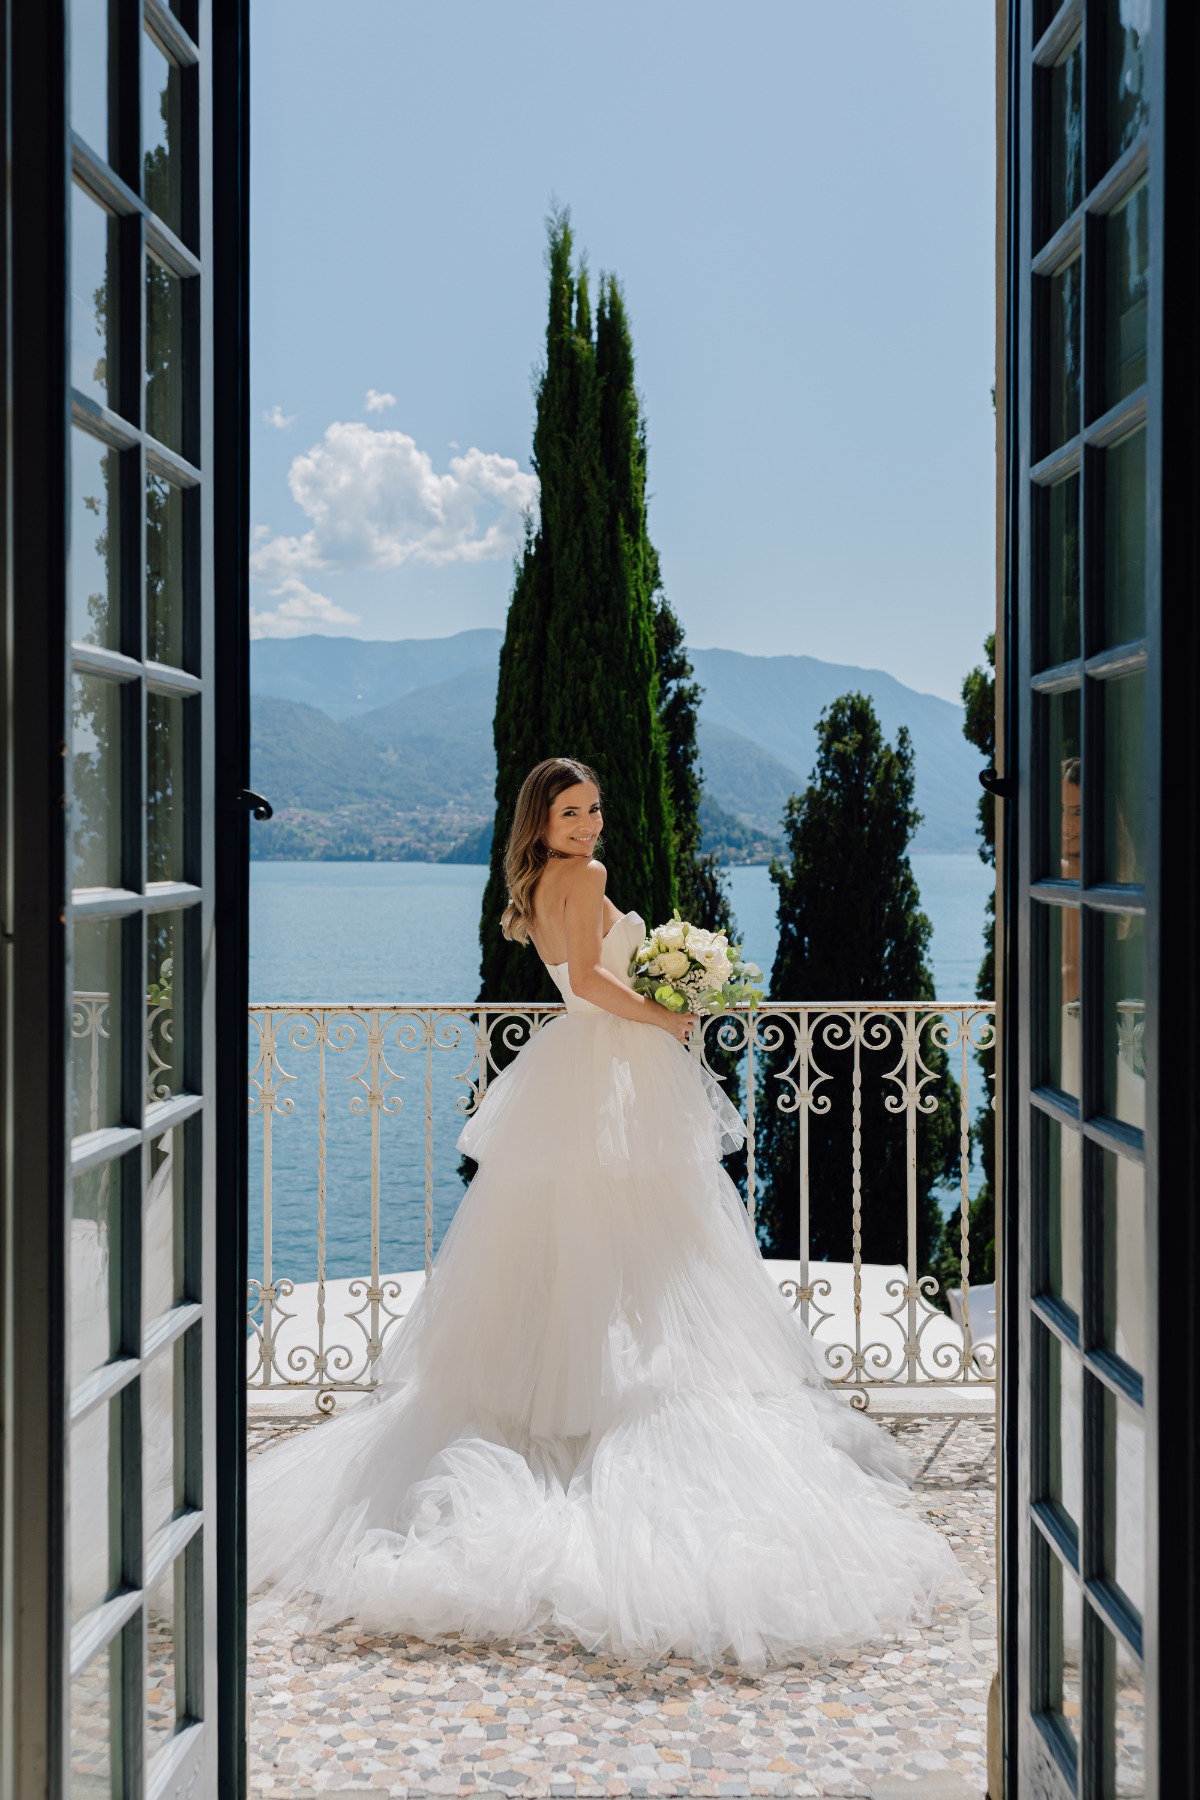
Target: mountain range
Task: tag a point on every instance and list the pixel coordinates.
(375, 750)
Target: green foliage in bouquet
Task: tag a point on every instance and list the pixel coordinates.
(851, 929)
(684, 966)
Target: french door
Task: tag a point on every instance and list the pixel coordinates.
(124, 914)
(1100, 1493)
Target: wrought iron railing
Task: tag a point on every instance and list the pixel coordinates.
(348, 1161)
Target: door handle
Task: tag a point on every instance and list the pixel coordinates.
(1001, 787)
(261, 809)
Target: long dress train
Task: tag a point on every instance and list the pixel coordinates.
(599, 1416)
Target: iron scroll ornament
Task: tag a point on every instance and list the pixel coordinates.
(261, 809)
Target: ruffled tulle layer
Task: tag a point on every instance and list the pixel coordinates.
(599, 1417)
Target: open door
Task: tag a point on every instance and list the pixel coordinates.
(1100, 1372)
(124, 897)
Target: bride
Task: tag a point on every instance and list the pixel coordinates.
(599, 1418)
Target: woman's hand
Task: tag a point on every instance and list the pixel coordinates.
(680, 1025)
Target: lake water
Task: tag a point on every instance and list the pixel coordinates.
(397, 932)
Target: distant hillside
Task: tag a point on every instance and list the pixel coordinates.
(401, 734)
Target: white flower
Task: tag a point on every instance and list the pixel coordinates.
(670, 936)
(674, 964)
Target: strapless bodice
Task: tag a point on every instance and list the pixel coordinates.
(619, 943)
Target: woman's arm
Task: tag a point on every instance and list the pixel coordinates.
(583, 922)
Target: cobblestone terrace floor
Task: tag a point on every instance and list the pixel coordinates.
(340, 1713)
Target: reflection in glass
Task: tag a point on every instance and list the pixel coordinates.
(1124, 1016)
(95, 782)
(1063, 1638)
(95, 542)
(1065, 303)
(166, 1602)
(93, 311)
(165, 762)
(1064, 1218)
(1065, 148)
(1065, 1397)
(1125, 539)
(94, 1293)
(160, 1494)
(95, 1524)
(1124, 1497)
(164, 572)
(1124, 777)
(1061, 503)
(1127, 1768)
(96, 1025)
(1125, 1258)
(1063, 782)
(164, 355)
(161, 135)
(161, 1224)
(1127, 295)
(91, 1724)
(89, 73)
(165, 999)
(1060, 925)
(1128, 108)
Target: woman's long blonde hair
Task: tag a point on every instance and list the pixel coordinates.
(526, 853)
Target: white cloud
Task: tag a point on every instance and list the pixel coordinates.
(379, 402)
(278, 418)
(375, 502)
(300, 609)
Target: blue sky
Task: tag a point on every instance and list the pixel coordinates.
(798, 200)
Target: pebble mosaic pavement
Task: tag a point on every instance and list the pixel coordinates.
(339, 1713)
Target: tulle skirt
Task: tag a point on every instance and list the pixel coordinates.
(600, 1417)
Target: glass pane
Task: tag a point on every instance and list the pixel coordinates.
(95, 782)
(1127, 293)
(96, 1025)
(166, 715)
(1062, 711)
(1066, 138)
(93, 315)
(95, 542)
(1124, 1005)
(1061, 515)
(1125, 1258)
(162, 1220)
(1065, 291)
(1128, 108)
(1064, 1169)
(160, 1489)
(1060, 925)
(89, 73)
(1129, 1723)
(164, 572)
(165, 1004)
(1125, 539)
(1124, 777)
(166, 1602)
(1065, 1646)
(1124, 1497)
(95, 1450)
(162, 135)
(1065, 1421)
(91, 1722)
(164, 355)
(94, 1292)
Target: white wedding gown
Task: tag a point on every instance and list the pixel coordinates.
(600, 1417)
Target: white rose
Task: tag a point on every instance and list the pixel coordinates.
(674, 964)
(670, 937)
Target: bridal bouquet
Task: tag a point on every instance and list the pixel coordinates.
(686, 968)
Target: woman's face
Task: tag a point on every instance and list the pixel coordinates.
(575, 820)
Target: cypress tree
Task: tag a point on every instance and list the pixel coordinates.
(703, 895)
(851, 928)
(578, 666)
(979, 728)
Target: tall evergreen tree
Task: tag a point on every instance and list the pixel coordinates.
(979, 728)
(578, 666)
(701, 883)
(851, 928)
